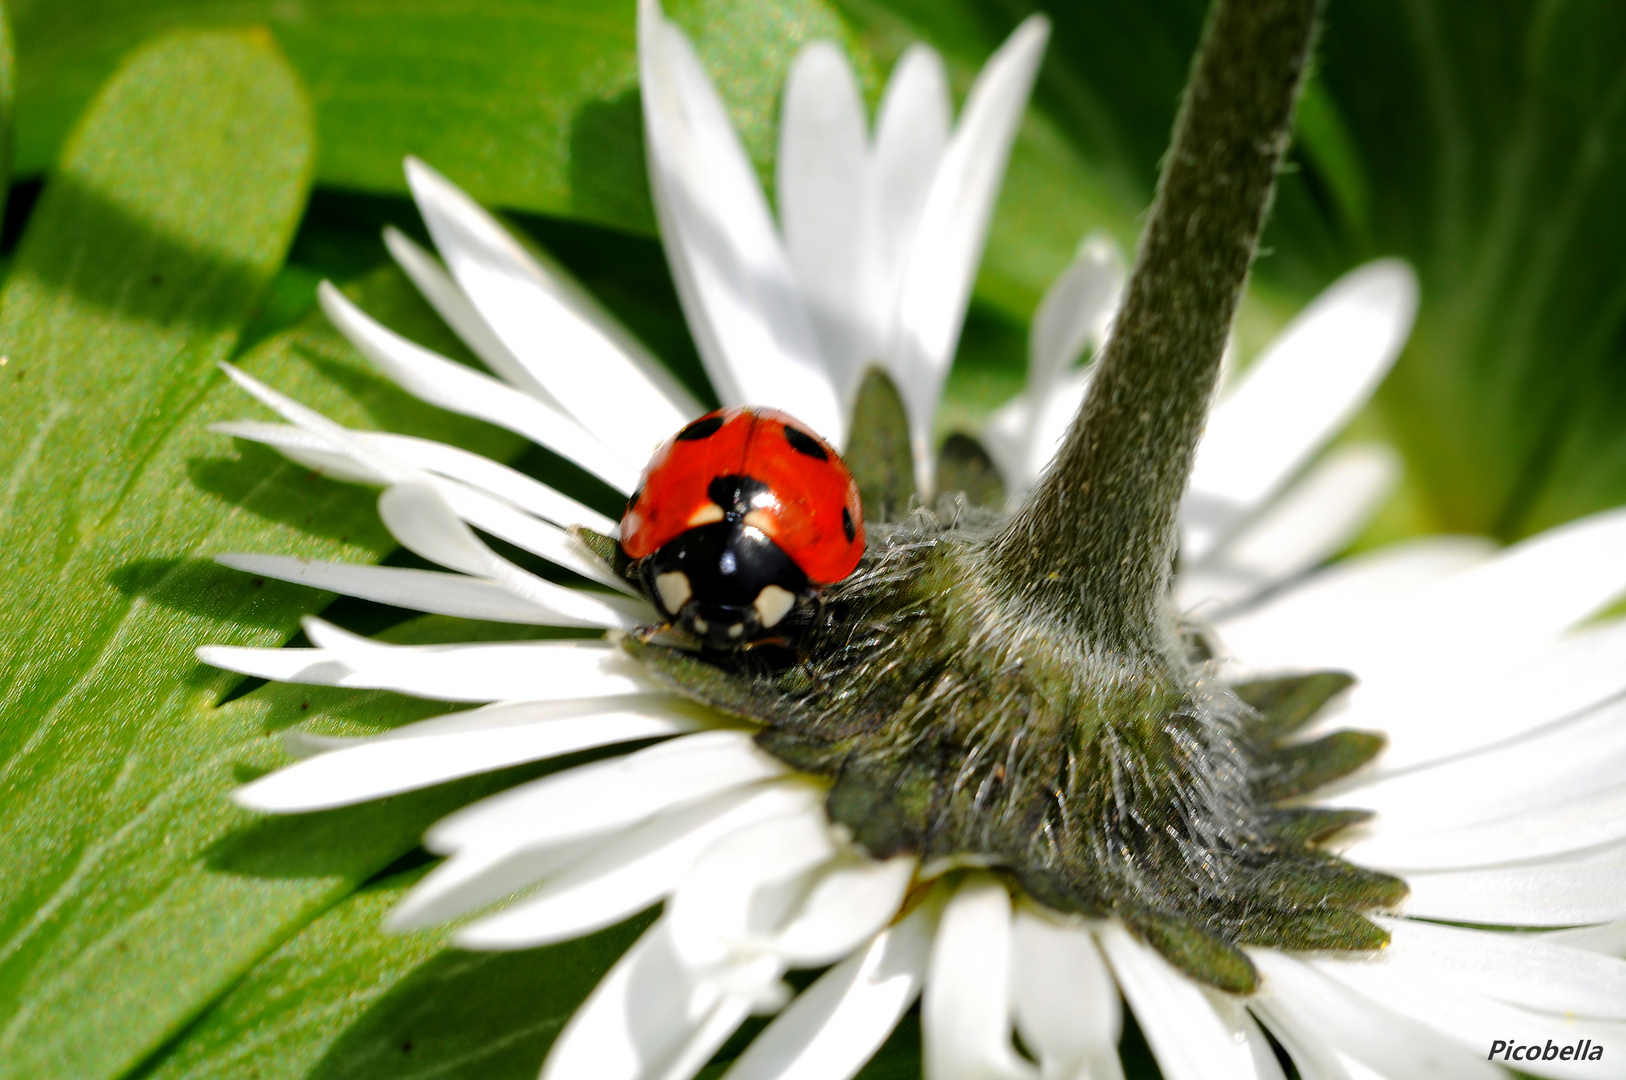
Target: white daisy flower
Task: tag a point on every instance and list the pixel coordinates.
(1497, 799)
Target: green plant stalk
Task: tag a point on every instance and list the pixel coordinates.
(1093, 547)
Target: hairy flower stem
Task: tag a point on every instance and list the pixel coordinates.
(1092, 549)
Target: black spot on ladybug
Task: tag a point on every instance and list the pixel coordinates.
(803, 443)
(703, 428)
(737, 495)
(847, 524)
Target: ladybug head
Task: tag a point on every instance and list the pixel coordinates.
(741, 518)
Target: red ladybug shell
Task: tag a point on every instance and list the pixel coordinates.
(811, 510)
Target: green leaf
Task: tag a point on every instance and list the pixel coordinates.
(135, 892)
(347, 999)
(529, 106)
(172, 208)
(535, 106)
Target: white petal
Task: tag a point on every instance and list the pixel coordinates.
(484, 511)
(1311, 1056)
(1306, 386)
(1515, 835)
(1534, 591)
(1311, 521)
(587, 363)
(822, 190)
(633, 871)
(514, 839)
(479, 877)
(495, 515)
(851, 898)
(421, 590)
(456, 503)
(1472, 1020)
(1332, 615)
(452, 305)
(534, 670)
(911, 133)
(1024, 436)
(426, 524)
(1483, 704)
(1521, 969)
(379, 767)
(301, 447)
(835, 1025)
(476, 507)
(463, 390)
(321, 431)
(1189, 1039)
(735, 281)
(1324, 1014)
(1249, 1044)
(490, 477)
(743, 887)
(966, 1014)
(1066, 1002)
(1562, 890)
(647, 1020)
(948, 242)
(1607, 938)
(1075, 311)
(522, 835)
(609, 794)
(451, 462)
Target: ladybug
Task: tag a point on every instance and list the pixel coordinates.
(739, 519)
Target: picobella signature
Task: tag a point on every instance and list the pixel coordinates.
(741, 518)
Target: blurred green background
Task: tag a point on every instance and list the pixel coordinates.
(184, 172)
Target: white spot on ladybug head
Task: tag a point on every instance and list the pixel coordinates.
(773, 604)
(674, 590)
(700, 626)
(737, 630)
(706, 515)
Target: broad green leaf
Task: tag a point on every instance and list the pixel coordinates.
(531, 106)
(520, 101)
(347, 1000)
(534, 106)
(172, 207)
(133, 891)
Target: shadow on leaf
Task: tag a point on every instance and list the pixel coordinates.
(351, 840)
(608, 173)
(492, 1015)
